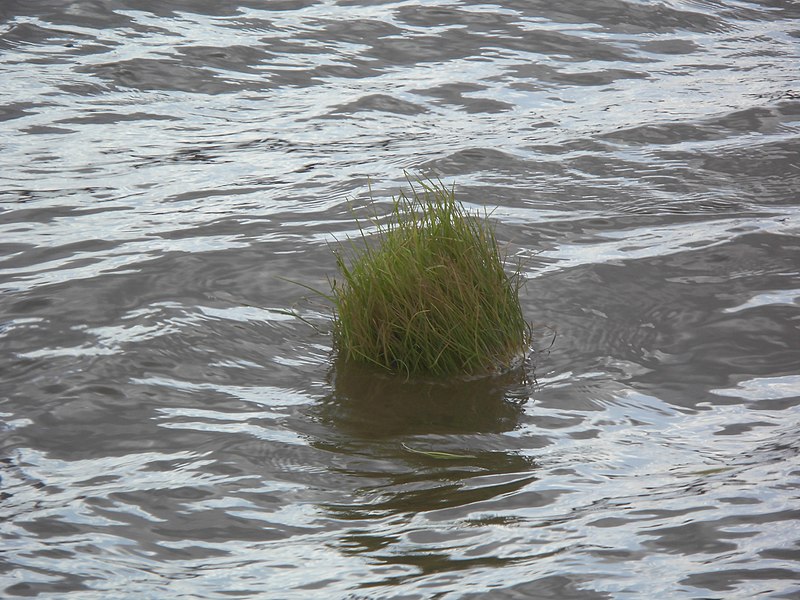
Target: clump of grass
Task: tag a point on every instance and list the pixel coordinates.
(430, 294)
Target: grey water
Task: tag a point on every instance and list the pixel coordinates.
(171, 430)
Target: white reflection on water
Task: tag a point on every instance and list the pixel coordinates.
(653, 241)
(787, 297)
(764, 388)
(262, 395)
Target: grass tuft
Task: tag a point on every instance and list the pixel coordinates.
(430, 292)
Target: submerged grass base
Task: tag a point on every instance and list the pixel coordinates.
(430, 295)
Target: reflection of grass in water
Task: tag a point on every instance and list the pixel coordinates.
(370, 403)
(432, 296)
(423, 443)
(437, 454)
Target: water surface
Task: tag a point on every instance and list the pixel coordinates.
(169, 431)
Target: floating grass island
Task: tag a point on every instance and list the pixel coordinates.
(430, 293)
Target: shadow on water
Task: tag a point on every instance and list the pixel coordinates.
(415, 446)
(423, 452)
(367, 403)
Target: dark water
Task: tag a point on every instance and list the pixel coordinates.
(170, 432)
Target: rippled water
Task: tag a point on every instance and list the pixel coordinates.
(169, 431)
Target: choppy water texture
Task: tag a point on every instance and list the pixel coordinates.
(169, 431)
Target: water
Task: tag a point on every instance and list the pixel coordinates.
(169, 431)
